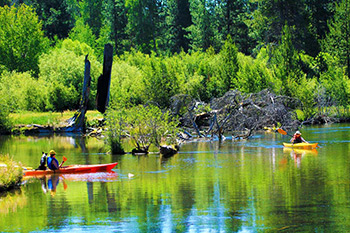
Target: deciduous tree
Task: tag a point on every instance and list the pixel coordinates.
(21, 39)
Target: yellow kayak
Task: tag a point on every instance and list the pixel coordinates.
(303, 145)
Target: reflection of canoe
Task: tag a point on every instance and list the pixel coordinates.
(92, 177)
(300, 151)
(73, 169)
(305, 146)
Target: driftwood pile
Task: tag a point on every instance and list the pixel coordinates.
(235, 112)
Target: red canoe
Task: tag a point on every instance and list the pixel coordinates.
(73, 169)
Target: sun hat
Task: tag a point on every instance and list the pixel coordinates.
(52, 152)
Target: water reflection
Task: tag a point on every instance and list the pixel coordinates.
(232, 186)
(298, 154)
(11, 201)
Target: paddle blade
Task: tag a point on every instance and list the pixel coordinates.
(281, 131)
(64, 159)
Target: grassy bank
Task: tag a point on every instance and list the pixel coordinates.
(10, 173)
(48, 118)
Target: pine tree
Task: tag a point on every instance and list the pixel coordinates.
(230, 64)
(144, 20)
(204, 30)
(337, 41)
(178, 18)
(274, 14)
(232, 17)
(119, 23)
(286, 63)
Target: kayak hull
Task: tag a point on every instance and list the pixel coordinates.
(73, 169)
(304, 146)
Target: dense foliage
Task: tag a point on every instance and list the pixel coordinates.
(164, 48)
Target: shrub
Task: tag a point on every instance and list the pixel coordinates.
(116, 125)
(11, 173)
(5, 123)
(63, 71)
(126, 85)
(20, 91)
(149, 125)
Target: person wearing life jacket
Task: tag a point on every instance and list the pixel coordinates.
(297, 138)
(52, 162)
(42, 165)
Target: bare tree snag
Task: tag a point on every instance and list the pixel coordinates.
(104, 81)
(77, 122)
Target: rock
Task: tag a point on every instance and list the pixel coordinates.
(168, 151)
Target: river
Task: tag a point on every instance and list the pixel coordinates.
(233, 186)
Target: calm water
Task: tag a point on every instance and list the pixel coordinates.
(235, 186)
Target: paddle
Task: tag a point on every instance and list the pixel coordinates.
(64, 160)
(281, 131)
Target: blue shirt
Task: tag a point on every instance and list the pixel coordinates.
(52, 163)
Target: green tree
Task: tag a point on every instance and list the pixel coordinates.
(213, 83)
(55, 16)
(160, 85)
(204, 30)
(119, 23)
(229, 64)
(274, 14)
(144, 24)
(286, 64)
(4, 2)
(255, 75)
(337, 42)
(22, 40)
(232, 17)
(321, 11)
(332, 79)
(83, 33)
(91, 12)
(178, 19)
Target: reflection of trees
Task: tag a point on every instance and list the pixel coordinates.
(11, 201)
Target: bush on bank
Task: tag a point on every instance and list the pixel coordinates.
(10, 173)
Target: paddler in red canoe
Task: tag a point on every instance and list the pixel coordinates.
(52, 162)
(297, 138)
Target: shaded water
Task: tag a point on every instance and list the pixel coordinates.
(235, 186)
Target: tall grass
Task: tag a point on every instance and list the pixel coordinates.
(48, 118)
(10, 173)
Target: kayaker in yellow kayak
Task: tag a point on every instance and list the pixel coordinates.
(52, 162)
(297, 138)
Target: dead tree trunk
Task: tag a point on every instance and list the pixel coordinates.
(77, 122)
(104, 81)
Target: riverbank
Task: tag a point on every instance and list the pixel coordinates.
(33, 123)
(11, 173)
(47, 122)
